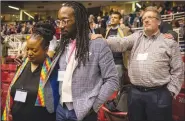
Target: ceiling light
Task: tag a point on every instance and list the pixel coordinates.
(29, 15)
(13, 7)
(138, 5)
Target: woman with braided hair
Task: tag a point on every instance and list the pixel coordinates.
(27, 87)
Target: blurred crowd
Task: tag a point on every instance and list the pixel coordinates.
(131, 20)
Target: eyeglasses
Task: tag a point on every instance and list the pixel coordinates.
(149, 17)
(63, 22)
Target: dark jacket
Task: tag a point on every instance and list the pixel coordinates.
(165, 27)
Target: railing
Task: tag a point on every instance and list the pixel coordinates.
(15, 41)
(175, 16)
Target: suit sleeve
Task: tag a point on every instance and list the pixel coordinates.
(109, 75)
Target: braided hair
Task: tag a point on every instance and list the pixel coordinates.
(44, 32)
(82, 31)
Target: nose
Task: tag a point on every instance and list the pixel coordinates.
(145, 21)
(30, 53)
(61, 26)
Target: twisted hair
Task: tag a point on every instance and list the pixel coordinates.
(82, 31)
(44, 32)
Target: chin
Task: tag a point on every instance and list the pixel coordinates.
(148, 29)
(32, 61)
(64, 35)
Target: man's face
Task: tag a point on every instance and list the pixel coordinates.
(150, 21)
(67, 22)
(115, 20)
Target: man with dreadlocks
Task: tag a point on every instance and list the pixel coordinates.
(85, 69)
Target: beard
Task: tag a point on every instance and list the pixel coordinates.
(64, 40)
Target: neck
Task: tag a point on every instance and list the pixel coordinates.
(150, 33)
(114, 26)
(34, 66)
(73, 36)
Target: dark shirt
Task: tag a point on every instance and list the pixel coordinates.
(118, 57)
(29, 81)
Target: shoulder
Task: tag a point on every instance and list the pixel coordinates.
(98, 41)
(98, 44)
(169, 42)
(137, 34)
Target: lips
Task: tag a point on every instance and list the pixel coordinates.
(30, 58)
(147, 25)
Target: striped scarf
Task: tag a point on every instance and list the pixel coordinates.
(40, 101)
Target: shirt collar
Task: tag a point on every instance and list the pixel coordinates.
(154, 36)
(113, 28)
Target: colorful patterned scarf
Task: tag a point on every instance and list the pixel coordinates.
(40, 96)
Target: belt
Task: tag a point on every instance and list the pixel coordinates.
(145, 89)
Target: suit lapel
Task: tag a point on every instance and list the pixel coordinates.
(53, 64)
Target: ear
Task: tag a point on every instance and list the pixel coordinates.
(46, 49)
(159, 23)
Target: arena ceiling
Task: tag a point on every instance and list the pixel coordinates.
(38, 6)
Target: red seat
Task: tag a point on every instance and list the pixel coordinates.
(115, 116)
(183, 85)
(178, 107)
(11, 75)
(183, 58)
(4, 87)
(4, 67)
(10, 59)
(12, 67)
(3, 99)
(9, 80)
(101, 115)
(4, 76)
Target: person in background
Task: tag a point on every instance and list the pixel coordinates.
(161, 9)
(125, 18)
(5, 47)
(95, 30)
(137, 22)
(27, 89)
(118, 30)
(24, 29)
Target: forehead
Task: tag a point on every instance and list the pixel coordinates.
(115, 15)
(33, 43)
(149, 13)
(66, 12)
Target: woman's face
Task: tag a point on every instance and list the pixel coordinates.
(35, 52)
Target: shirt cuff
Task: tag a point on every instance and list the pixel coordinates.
(173, 90)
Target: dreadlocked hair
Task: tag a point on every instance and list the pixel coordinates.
(82, 31)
